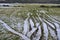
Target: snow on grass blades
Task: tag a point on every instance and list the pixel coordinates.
(37, 25)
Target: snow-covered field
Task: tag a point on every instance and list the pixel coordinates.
(29, 23)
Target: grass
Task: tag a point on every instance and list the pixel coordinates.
(22, 8)
(20, 11)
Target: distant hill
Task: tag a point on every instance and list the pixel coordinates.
(30, 1)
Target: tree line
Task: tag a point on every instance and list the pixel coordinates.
(30, 1)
